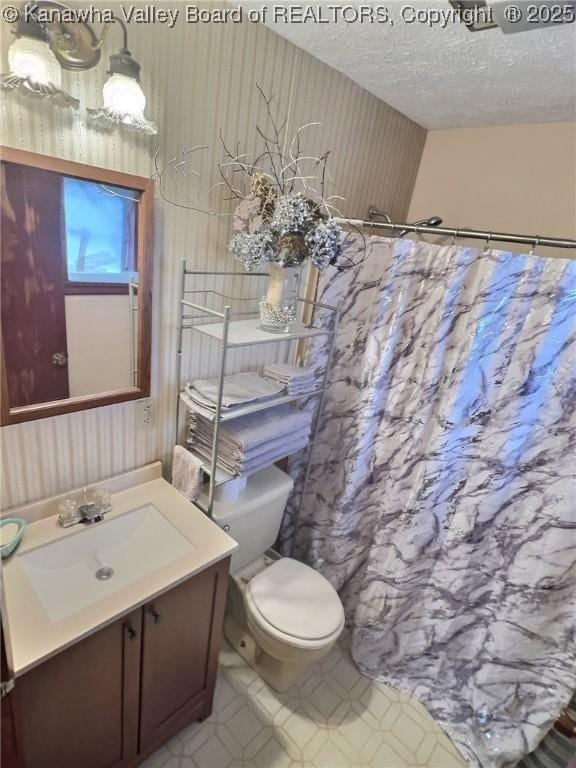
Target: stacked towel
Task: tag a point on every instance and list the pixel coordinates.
(298, 381)
(239, 389)
(252, 442)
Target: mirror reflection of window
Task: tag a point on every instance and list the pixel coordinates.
(100, 227)
(69, 252)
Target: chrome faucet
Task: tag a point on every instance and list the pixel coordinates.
(90, 508)
(92, 512)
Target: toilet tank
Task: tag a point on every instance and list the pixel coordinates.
(255, 516)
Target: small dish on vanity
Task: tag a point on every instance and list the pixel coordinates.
(11, 533)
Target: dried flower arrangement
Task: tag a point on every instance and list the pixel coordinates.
(283, 216)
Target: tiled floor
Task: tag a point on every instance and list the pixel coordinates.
(334, 718)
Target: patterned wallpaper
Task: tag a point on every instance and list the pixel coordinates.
(198, 79)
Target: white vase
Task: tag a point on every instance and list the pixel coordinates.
(278, 307)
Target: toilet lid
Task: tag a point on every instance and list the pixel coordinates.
(297, 600)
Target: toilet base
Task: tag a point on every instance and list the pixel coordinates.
(279, 674)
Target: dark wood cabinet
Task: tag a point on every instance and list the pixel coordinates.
(76, 708)
(8, 745)
(113, 698)
(179, 661)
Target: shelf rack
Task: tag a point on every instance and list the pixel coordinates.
(234, 330)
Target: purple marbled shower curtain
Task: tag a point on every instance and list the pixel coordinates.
(441, 500)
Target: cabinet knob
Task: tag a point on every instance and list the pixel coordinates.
(132, 633)
(155, 615)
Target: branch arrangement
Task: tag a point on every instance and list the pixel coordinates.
(283, 212)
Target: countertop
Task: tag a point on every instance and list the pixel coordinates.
(34, 638)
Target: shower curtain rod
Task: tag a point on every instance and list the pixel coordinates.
(474, 234)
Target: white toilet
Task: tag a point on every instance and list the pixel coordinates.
(281, 614)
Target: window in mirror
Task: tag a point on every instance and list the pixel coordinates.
(100, 226)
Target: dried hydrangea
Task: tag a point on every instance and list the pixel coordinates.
(253, 249)
(293, 234)
(247, 215)
(291, 250)
(261, 188)
(324, 243)
(292, 214)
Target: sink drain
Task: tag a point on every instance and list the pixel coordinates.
(103, 574)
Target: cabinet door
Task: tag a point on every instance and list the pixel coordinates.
(80, 708)
(8, 744)
(180, 644)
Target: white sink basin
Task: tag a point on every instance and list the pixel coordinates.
(77, 570)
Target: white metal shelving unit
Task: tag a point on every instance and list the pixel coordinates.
(232, 330)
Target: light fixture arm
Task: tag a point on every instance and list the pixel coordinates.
(106, 28)
(30, 24)
(74, 43)
(122, 62)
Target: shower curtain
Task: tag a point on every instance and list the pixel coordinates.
(441, 501)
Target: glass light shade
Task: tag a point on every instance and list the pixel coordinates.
(123, 94)
(35, 71)
(124, 105)
(31, 58)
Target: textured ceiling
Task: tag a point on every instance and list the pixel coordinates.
(448, 78)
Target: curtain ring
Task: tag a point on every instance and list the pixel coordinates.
(535, 245)
(417, 232)
(486, 249)
(455, 236)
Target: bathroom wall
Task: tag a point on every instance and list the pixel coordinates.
(98, 343)
(198, 79)
(514, 178)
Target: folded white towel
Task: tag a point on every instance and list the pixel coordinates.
(295, 384)
(290, 382)
(247, 432)
(286, 376)
(239, 389)
(295, 390)
(285, 371)
(231, 452)
(186, 473)
(193, 404)
(252, 465)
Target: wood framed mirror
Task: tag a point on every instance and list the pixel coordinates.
(75, 286)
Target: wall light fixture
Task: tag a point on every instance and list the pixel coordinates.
(50, 37)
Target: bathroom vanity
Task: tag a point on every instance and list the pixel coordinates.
(128, 688)
(106, 673)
